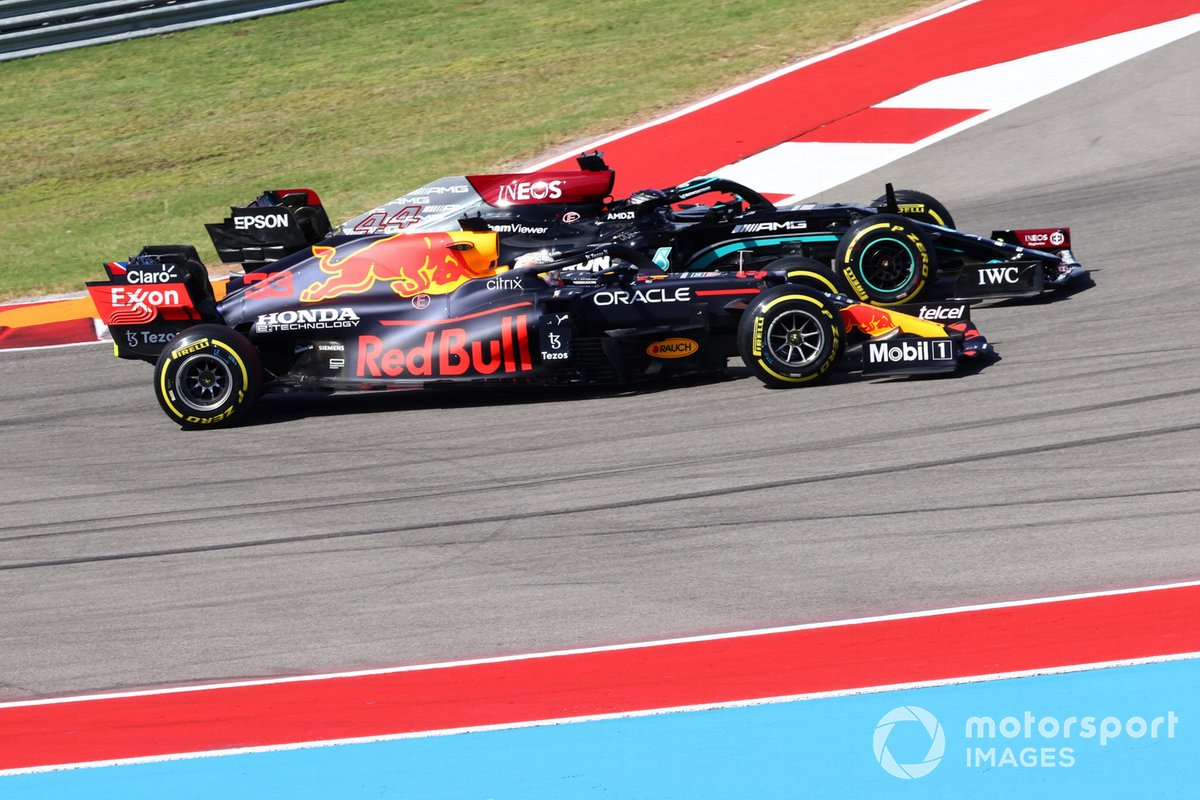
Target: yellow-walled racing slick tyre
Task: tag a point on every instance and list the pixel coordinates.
(886, 259)
(919, 206)
(207, 377)
(791, 336)
(810, 272)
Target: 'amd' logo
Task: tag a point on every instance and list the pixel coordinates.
(994, 276)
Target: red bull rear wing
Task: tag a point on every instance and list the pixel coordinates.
(151, 297)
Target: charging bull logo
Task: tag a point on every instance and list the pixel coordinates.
(413, 264)
(870, 320)
(874, 321)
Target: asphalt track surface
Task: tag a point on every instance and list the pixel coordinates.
(363, 531)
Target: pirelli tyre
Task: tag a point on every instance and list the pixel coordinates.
(886, 260)
(919, 206)
(810, 272)
(207, 377)
(791, 336)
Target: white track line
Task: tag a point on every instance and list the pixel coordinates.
(540, 723)
(604, 648)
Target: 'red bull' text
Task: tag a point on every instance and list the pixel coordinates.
(448, 353)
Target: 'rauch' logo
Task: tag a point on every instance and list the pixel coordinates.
(937, 742)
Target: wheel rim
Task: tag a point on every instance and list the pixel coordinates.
(204, 382)
(795, 338)
(887, 265)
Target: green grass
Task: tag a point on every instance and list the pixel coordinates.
(108, 148)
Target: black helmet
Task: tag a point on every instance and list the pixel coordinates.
(646, 195)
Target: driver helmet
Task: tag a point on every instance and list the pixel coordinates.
(645, 195)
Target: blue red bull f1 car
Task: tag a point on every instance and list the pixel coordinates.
(438, 308)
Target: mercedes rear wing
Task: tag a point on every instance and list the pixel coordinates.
(277, 223)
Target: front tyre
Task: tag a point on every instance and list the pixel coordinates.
(886, 259)
(791, 336)
(207, 377)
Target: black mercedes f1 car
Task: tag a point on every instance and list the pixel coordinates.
(438, 308)
(888, 252)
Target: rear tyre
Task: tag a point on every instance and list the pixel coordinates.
(791, 336)
(810, 272)
(207, 377)
(885, 259)
(919, 206)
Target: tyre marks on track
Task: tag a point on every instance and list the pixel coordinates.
(601, 509)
